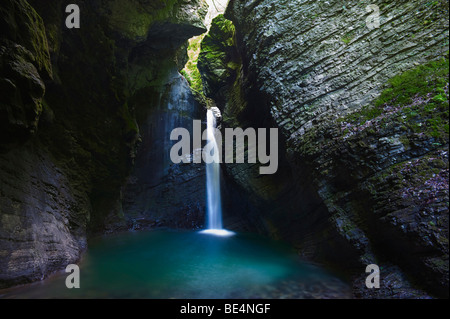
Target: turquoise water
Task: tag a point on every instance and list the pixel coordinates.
(191, 265)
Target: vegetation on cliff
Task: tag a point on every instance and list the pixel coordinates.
(389, 163)
(190, 71)
(417, 99)
(215, 61)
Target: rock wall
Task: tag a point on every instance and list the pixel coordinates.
(159, 192)
(366, 171)
(68, 106)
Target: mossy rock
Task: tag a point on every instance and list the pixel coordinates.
(216, 60)
(417, 100)
(134, 19)
(21, 24)
(191, 71)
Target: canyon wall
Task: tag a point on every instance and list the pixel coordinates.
(69, 132)
(363, 114)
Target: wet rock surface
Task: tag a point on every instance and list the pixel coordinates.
(167, 194)
(69, 133)
(25, 60)
(362, 189)
(42, 217)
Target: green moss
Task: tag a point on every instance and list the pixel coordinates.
(210, 51)
(221, 33)
(216, 60)
(132, 20)
(420, 83)
(190, 71)
(366, 113)
(129, 121)
(26, 27)
(348, 37)
(421, 80)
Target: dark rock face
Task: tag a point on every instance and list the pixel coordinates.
(24, 58)
(387, 190)
(158, 192)
(372, 191)
(42, 216)
(69, 133)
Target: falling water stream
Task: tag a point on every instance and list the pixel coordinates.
(214, 200)
(213, 194)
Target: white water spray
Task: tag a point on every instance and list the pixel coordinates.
(213, 196)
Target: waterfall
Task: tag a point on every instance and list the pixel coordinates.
(213, 195)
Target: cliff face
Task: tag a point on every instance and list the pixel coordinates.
(364, 157)
(68, 105)
(159, 192)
